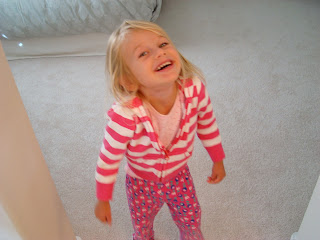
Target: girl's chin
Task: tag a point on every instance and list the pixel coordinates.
(172, 75)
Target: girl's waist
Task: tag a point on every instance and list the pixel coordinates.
(154, 175)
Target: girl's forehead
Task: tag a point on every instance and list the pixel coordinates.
(141, 33)
(135, 38)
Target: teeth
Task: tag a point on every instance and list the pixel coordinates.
(163, 65)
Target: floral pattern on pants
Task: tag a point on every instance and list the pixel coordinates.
(145, 199)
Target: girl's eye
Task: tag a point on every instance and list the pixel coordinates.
(163, 44)
(143, 54)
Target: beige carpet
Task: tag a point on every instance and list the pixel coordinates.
(262, 64)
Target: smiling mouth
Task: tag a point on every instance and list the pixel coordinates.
(164, 65)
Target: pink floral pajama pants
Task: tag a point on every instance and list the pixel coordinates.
(145, 199)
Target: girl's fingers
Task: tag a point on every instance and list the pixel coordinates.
(211, 180)
(109, 220)
(214, 179)
(217, 180)
(208, 179)
(108, 217)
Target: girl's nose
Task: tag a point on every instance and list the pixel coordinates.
(160, 52)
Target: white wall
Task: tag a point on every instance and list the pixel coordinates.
(27, 192)
(7, 229)
(310, 226)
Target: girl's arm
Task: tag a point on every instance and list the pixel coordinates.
(119, 131)
(209, 135)
(207, 128)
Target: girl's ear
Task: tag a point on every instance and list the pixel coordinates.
(127, 83)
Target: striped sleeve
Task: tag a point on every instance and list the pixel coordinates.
(207, 129)
(118, 132)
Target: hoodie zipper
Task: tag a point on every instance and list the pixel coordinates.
(166, 158)
(175, 140)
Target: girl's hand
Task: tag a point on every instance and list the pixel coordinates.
(103, 212)
(218, 173)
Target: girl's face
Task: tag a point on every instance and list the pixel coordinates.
(152, 59)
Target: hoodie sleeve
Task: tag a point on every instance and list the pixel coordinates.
(207, 129)
(118, 133)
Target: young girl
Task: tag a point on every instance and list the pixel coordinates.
(161, 105)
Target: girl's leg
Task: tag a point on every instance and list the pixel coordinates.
(184, 206)
(144, 204)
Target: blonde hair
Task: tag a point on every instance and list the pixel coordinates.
(116, 67)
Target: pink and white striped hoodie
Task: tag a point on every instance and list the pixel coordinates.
(129, 132)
